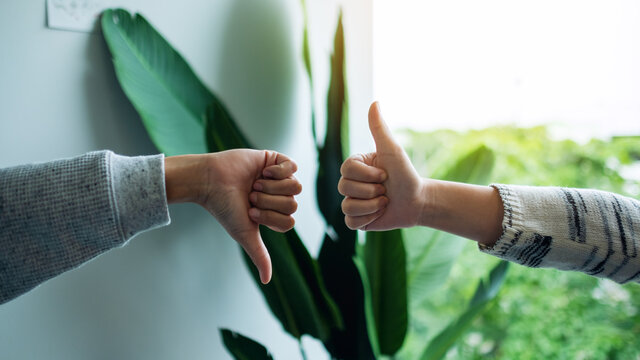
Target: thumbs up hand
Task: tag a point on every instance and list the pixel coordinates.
(382, 190)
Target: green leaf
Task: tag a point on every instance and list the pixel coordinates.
(183, 116)
(222, 133)
(338, 248)
(431, 253)
(306, 56)
(163, 88)
(243, 348)
(345, 285)
(473, 168)
(368, 302)
(485, 292)
(296, 294)
(336, 145)
(430, 257)
(385, 260)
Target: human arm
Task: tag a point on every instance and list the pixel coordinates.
(58, 215)
(241, 189)
(570, 229)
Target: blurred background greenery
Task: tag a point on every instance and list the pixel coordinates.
(539, 313)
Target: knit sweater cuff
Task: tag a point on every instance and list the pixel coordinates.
(139, 193)
(512, 222)
(570, 229)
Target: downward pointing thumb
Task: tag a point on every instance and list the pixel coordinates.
(254, 247)
(379, 129)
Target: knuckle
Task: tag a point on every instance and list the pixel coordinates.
(349, 221)
(293, 166)
(288, 224)
(341, 186)
(293, 206)
(382, 201)
(346, 206)
(347, 164)
(382, 176)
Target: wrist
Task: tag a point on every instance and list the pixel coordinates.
(430, 207)
(471, 211)
(184, 178)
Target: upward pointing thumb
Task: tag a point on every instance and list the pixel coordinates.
(379, 129)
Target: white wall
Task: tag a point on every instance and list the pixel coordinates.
(165, 294)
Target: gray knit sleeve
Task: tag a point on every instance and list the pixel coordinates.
(590, 231)
(55, 216)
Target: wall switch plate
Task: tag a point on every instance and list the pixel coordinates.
(76, 15)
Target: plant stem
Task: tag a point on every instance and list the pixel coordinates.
(304, 355)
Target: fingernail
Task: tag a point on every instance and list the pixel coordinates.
(257, 186)
(267, 173)
(265, 279)
(254, 213)
(253, 197)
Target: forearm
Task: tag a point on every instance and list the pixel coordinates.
(591, 231)
(471, 211)
(58, 215)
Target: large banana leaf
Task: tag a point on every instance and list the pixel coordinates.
(472, 168)
(222, 133)
(182, 116)
(430, 257)
(336, 145)
(485, 292)
(163, 88)
(338, 248)
(431, 253)
(385, 263)
(306, 56)
(345, 286)
(358, 260)
(243, 348)
(296, 294)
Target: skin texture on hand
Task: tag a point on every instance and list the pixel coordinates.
(241, 188)
(383, 191)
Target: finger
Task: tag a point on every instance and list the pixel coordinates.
(355, 168)
(357, 207)
(286, 205)
(380, 131)
(361, 222)
(273, 219)
(282, 169)
(359, 190)
(278, 187)
(253, 245)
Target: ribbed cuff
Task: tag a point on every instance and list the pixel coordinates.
(139, 192)
(512, 223)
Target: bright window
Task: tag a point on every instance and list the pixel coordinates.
(572, 64)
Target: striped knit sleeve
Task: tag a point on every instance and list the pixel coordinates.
(56, 216)
(594, 232)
